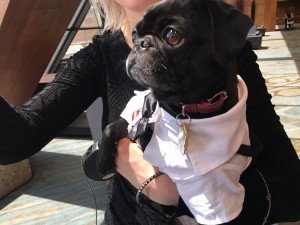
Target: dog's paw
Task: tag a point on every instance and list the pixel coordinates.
(106, 162)
(95, 166)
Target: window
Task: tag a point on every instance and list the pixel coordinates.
(84, 25)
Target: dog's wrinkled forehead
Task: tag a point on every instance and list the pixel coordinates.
(215, 22)
(167, 12)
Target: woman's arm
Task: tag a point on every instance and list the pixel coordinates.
(261, 116)
(26, 129)
(132, 166)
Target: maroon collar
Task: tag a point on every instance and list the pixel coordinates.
(209, 106)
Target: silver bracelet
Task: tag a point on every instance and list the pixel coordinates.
(137, 197)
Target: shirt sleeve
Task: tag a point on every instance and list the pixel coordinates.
(24, 130)
(261, 116)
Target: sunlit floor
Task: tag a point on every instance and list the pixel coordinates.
(58, 192)
(279, 61)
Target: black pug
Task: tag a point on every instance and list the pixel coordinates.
(192, 122)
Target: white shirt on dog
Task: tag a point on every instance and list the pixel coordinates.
(207, 175)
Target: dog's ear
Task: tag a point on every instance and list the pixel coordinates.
(230, 27)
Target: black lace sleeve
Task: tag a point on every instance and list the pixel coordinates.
(26, 129)
(261, 116)
(277, 161)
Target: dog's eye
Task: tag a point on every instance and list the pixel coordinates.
(172, 37)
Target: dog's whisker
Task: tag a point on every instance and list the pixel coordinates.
(164, 66)
(121, 64)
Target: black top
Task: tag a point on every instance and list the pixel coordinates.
(99, 70)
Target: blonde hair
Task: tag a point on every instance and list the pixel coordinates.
(113, 13)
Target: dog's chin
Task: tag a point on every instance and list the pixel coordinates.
(167, 88)
(176, 96)
(168, 97)
(163, 90)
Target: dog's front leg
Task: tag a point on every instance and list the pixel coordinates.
(107, 148)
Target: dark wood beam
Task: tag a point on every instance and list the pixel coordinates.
(29, 35)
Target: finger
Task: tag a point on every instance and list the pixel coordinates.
(135, 114)
(128, 150)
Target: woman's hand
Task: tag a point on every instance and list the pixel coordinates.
(132, 166)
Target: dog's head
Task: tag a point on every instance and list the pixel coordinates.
(183, 48)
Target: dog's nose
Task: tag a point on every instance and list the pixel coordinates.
(145, 42)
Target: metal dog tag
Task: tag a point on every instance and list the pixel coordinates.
(183, 138)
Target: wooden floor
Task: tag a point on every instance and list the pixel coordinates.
(58, 192)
